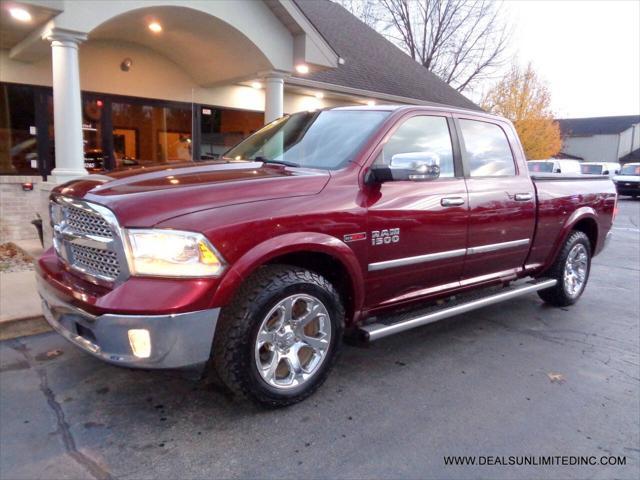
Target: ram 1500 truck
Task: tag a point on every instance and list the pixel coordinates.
(359, 221)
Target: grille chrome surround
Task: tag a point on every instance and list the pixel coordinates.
(88, 240)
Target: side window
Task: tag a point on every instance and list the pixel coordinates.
(488, 151)
(422, 135)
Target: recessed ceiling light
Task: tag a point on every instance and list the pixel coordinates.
(302, 68)
(155, 27)
(20, 14)
(371, 103)
(256, 85)
(319, 95)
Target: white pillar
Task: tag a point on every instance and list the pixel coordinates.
(67, 106)
(273, 97)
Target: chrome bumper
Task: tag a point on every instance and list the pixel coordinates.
(177, 341)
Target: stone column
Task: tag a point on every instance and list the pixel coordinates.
(67, 104)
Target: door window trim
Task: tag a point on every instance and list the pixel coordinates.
(458, 171)
(465, 155)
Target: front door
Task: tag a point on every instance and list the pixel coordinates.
(417, 229)
(501, 203)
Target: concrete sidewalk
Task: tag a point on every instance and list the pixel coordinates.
(20, 310)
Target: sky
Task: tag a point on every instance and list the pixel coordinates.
(587, 51)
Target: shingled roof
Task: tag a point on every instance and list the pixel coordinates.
(371, 61)
(576, 127)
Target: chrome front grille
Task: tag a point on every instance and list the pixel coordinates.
(94, 261)
(87, 222)
(87, 239)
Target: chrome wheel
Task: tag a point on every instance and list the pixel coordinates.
(575, 270)
(292, 341)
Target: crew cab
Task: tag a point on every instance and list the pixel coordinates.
(354, 221)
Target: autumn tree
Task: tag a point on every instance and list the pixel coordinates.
(522, 97)
(461, 41)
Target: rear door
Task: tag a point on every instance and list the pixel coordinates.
(417, 229)
(501, 200)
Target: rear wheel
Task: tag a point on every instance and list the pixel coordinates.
(571, 270)
(279, 337)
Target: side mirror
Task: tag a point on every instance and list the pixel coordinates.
(558, 170)
(415, 166)
(616, 172)
(606, 172)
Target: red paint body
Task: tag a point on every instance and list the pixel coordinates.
(254, 213)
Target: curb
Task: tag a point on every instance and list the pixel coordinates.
(23, 327)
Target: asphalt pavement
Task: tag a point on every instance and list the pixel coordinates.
(515, 379)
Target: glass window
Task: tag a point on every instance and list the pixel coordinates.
(630, 169)
(424, 136)
(488, 151)
(148, 134)
(18, 145)
(223, 128)
(591, 169)
(540, 167)
(325, 139)
(92, 135)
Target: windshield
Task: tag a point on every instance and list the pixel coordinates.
(326, 139)
(591, 169)
(546, 167)
(630, 170)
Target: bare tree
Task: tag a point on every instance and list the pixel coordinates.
(461, 41)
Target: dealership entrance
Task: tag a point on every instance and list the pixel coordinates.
(117, 131)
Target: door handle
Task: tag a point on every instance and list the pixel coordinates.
(451, 201)
(523, 197)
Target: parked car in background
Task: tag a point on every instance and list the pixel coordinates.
(600, 168)
(628, 180)
(553, 165)
(363, 220)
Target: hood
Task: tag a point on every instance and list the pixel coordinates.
(627, 178)
(146, 196)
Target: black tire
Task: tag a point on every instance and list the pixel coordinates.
(559, 295)
(240, 321)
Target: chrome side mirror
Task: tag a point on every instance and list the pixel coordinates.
(415, 166)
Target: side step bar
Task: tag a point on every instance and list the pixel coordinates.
(375, 331)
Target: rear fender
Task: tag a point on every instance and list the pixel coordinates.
(571, 221)
(291, 243)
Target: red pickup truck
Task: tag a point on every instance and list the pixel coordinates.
(358, 221)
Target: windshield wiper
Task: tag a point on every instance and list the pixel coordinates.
(262, 159)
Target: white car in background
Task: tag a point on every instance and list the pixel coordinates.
(628, 180)
(600, 168)
(554, 165)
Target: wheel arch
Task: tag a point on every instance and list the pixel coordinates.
(584, 219)
(321, 253)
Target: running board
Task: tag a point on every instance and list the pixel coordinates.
(375, 331)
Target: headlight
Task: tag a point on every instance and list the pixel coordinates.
(172, 253)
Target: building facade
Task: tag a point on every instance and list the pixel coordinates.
(88, 86)
(601, 139)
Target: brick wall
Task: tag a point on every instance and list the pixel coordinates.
(18, 208)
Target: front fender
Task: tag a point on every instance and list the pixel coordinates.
(291, 243)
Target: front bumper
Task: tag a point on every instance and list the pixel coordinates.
(177, 340)
(627, 188)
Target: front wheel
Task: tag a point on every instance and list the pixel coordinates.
(571, 270)
(278, 339)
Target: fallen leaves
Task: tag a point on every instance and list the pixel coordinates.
(556, 377)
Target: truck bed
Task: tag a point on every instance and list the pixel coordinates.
(561, 196)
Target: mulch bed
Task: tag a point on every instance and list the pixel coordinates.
(14, 259)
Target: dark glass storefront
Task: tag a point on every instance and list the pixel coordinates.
(118, 131)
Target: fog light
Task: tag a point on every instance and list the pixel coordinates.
(140, 342)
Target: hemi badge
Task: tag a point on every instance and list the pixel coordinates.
(353, 237)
